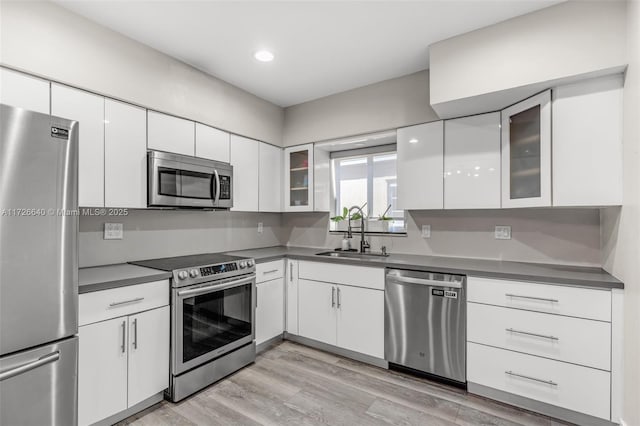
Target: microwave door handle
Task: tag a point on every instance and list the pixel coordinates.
(217, 196)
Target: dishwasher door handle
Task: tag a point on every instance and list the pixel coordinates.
(423, 281)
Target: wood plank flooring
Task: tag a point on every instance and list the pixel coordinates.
(292, 384)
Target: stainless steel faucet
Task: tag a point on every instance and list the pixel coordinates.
(364, 245)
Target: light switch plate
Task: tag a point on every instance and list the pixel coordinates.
(426, 231)
(260, 228)
(502, 232)
(113, 231)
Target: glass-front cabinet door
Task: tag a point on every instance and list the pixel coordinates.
(298, 178)
(526, 153)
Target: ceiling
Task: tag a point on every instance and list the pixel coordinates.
(320, 47)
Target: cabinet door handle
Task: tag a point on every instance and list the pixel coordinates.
(273, 271)
(339, 298)
(333, 297)
(256, 297)
(124, 302)
(291, 272)
(135, 333)
(522, 376)
(527, 333)
(541, 299)
(124, 332)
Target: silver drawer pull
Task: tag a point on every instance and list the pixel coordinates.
(45, 359)
(541, 299)
(124, 302)
(546, 382)
(273, 271)
(527, 333)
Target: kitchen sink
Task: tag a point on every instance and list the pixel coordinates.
(351, 254)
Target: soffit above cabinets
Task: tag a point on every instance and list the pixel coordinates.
(320, 48)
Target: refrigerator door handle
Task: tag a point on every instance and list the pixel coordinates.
(43, 360)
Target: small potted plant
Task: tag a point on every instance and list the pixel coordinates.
(385, 219)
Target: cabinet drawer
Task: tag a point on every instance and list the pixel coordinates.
(116, 302)
(582, 389)
(575, 340)
(269, 270)
(552, 299)
(358, 276)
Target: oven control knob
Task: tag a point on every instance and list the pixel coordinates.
(182, 275)
(250, 263)
(193, 273)
(243, 264)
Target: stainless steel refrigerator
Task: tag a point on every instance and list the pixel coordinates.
(38, 268)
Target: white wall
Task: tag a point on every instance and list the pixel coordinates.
(621, 226)
(161, 233)
(398, 102)
(45, 39)
(569, 236)
(496, 66)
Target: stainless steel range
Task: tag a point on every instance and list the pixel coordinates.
(213, 299)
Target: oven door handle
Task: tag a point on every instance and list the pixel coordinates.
(216, 287)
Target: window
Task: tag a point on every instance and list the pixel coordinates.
(367, 180)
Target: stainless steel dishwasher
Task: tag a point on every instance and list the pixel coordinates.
(425, 323)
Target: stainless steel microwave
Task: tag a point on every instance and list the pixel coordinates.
(187, 182)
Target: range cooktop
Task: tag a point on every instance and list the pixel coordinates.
(199, 268)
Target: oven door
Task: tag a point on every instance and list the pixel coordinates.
(210, 320)
(179, 181)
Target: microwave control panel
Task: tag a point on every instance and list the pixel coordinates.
(225, 187)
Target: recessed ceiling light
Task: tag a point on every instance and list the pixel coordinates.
(414, 140)
(263, 56)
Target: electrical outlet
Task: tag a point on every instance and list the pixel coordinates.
(502, 232)
(113, 231)
(259, 227)
(426, 231)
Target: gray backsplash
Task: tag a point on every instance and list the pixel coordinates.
(567, 236)
(161, 233)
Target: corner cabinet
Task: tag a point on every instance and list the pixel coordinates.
(298, 178)
(420, 166)
(526, 153)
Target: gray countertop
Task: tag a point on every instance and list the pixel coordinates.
(111, 276)
(537, 272)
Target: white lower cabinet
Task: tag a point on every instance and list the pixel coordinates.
(291, 290)
(102, 370)
(550, 344)
(344, 316)
(123, 358)
(576, 388)
(270, 309)
(361, 320)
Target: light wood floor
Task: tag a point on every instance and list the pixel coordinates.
(292, 384)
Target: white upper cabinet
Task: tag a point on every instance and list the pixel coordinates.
(420, 166)
(587, 143)
(88, 110)
(472, 162)
(170, 134)
(526, 153)
(212, 143)
(322, 180)
(270, 178)
(23, 91)
(298, 178)
(125, 155)
(245, 159)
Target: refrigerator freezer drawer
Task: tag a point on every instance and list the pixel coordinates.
(40, 386)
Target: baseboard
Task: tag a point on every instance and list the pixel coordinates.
(267, 344)
(537, 406)
(131, 410)
(367, 359)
